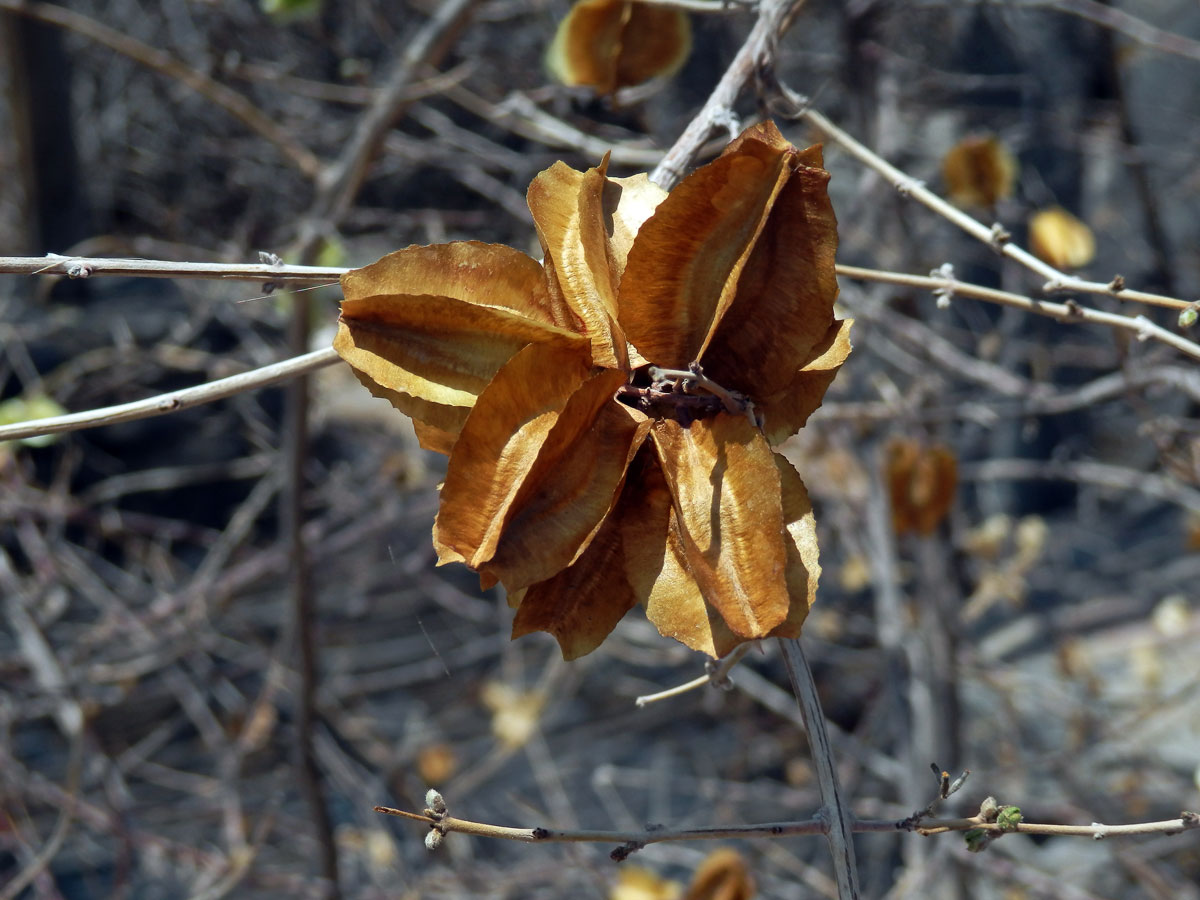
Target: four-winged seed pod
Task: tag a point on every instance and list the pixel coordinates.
(610, 412)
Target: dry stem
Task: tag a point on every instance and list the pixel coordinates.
(815, 825)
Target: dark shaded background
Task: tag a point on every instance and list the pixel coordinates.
(1043, 637)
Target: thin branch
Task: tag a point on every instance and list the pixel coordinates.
(994, 236)
(68, 714)
(835, 812)
(173, 401)
(705, 6)
(446, 824)
(165, 63)
(518, 114)
(947, 286)
(85, 267)
(773, 18)
(715, 673)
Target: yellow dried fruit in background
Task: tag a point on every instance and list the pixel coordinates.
(637, 883)
(515, 714)
(723, 875)
(436, 763)
(1057, 237)
(611, 44)
(979, 171)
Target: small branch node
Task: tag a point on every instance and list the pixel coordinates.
(1117, 284)
(79, 270)
(626, 850)
(999, 236)
(1098, 834)
(1074, 310)
(907, 185)
(1009, 818)
(275, 262)
(716, 677)
(945, 293)
(435, 803)
(1144, 328)
(957, 783)
(726, 118)
(1054, 285)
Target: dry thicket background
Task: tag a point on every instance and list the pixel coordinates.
(1044, 636)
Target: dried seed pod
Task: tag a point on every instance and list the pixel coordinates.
(921, 481)
(979, 171)
(1060, 239)
(611, 44)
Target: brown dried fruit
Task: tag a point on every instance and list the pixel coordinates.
(921, 481)
(979, 171)
(611, 44)
(610, 414)
(723, 875)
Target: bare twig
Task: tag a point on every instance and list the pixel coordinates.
(85, 267)
(173, 401)
(520, 115)
(68, 714)
(835, 812)
(1071, 311)
(705, 6)
(337, 185)
(993, 236)
(444, 824)
(773, 17)
(715, 673)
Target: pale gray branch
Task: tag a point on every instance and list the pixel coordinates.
(174, 401)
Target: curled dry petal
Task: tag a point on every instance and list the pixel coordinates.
(783, 306)
(568, 210)
(725, 486)
(428, 327)
(683, 268)
(674, 602)
(803, 565)
(572, 486)
(499, 445)
(583, 603)
(785, 412)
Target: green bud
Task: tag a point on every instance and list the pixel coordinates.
(977, 839)
(1009, 818)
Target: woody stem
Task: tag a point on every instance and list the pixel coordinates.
(733, 404)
